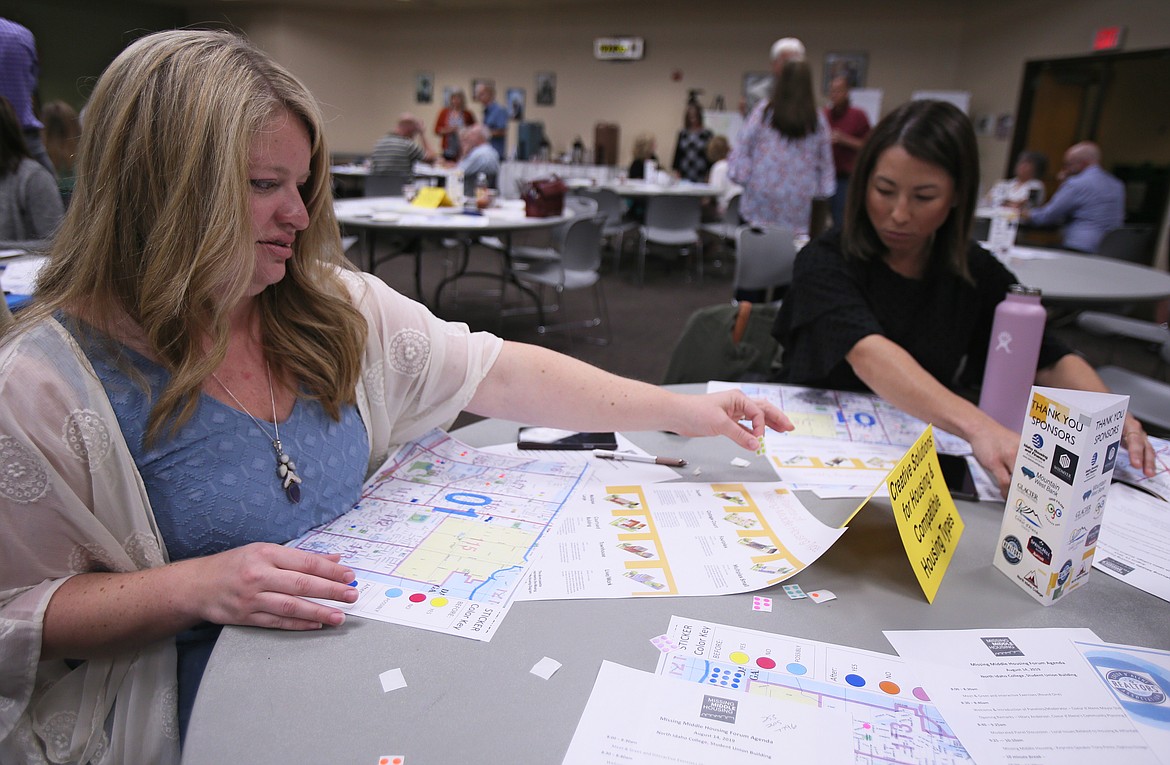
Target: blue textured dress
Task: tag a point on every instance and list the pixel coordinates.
(213, 486)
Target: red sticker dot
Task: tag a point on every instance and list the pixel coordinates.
(765, 663)
(418, 597)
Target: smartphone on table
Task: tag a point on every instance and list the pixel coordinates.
(957, 474)
(552, 438)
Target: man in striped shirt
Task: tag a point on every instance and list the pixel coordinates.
(396, 152)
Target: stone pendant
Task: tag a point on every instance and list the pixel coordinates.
(287, 470)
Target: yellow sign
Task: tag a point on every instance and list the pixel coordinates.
(928, 520)
(432, 196)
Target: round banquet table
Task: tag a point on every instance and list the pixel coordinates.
(277, 697)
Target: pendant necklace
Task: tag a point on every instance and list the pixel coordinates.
(286, 469)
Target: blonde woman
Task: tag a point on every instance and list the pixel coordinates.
(644, 147)
(200, 378)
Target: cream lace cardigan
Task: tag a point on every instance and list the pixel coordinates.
(72, 501)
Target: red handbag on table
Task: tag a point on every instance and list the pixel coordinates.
(543, 197)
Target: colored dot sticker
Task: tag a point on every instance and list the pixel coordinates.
(418, 597)
(889, 687)
(857, 681)
(439, 602)
(765, 663)
(739, 657)
(797, 669)
(663, 643)
(920, 694)
(393, 759)
(394, 592)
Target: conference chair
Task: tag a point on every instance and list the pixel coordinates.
(1149, 399)
(385, 185)
(616, 226)
(1118, 329)
(724, 230)
(1128, 243)
(672, 221)
(574, 267)
(763, 262)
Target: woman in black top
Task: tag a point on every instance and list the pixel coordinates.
(901, 302)
(690, 152)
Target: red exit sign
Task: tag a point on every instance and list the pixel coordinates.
(1108, 38)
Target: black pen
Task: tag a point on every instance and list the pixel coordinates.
(606, 454)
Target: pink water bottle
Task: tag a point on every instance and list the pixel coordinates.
(1012, 355)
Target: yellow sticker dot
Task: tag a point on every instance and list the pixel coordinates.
(439, 602)
(739, 657)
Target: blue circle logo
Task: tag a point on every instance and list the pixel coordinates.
(1065, 570)
(1138, 687)
(1013, 551)
(1037, 441)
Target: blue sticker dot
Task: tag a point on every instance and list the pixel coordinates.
(723, 682)
(394, 592)
(857, 681)
(796, 669)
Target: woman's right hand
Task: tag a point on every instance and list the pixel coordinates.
(267, 585)
(995, 447)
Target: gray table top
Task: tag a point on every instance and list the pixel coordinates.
(278, 697)
(1070, 277)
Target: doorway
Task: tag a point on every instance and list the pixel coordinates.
(1121, 101)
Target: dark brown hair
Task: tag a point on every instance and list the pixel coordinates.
(793, 110)
(934, 132)
(12, 146)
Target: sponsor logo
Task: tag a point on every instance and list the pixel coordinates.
(718, 708)
(1079, 533)
(1064, 464)
(1027, 472)
(1065, 570)
(1040, 550)
(1110, 456)
(1053, 510)
(1037, 441)
(1087, 494)
(1030, 580)
(1027, 492)
(1001, 646)
(1027, 514)
(1093, 460)
(1013, 551)
(1135, 685)
(1115, 566)
(1091, 539)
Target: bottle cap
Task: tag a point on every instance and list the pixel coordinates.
(1022, 289)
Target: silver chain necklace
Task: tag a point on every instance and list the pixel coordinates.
(286, 469)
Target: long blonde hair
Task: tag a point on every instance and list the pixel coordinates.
(159, 231)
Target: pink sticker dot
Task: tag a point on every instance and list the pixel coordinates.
(418, 597)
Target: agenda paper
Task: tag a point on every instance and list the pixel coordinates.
(635, 716)
(1023, 696)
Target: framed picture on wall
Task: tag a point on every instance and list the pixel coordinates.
(515, 98)
(850, 65)
(424, 87)
(546, 88)
(756, 87)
